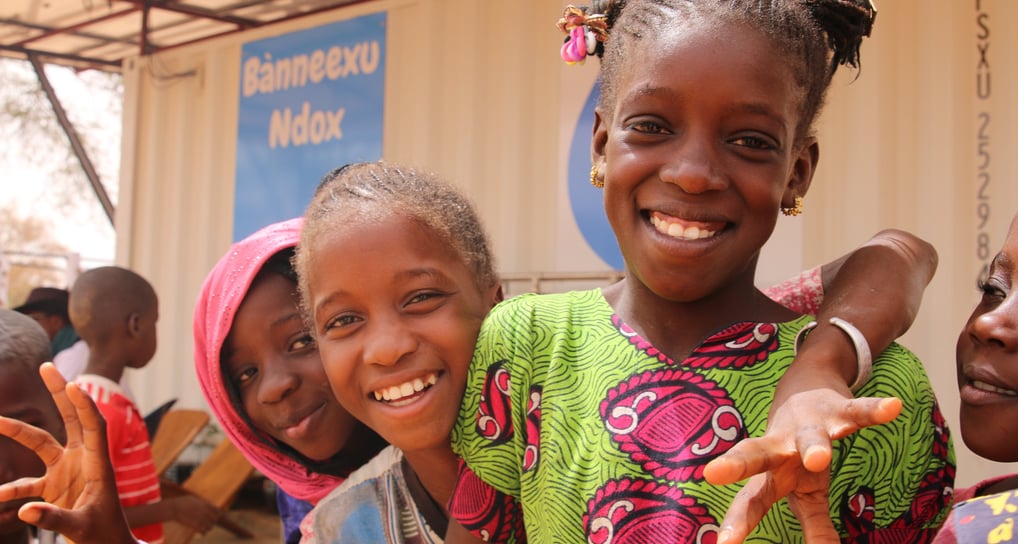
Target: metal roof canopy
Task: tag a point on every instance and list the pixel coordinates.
(100, 34)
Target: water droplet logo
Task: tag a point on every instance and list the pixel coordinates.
(585, 200)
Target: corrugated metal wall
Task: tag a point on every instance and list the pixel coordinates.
(477, 92)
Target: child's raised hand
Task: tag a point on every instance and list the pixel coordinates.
(793, 458)
(79, 487)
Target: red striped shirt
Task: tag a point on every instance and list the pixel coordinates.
(137, 481)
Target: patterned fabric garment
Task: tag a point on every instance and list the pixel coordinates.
(372, 506)
(803, 293)
(990, 519)
(130, 454)
(965, 523)
(575, 429)
(291, 512)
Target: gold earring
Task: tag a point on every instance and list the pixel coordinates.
(598, 183)
(794, 210)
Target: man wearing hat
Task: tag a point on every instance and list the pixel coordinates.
(48, 306)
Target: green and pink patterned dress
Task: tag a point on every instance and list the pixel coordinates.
(575, 429)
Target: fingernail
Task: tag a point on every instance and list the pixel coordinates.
(724, 535)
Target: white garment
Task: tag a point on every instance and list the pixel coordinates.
(72, 361)
(47, 537)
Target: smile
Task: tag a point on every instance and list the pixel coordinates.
(296, 429)
(683, 230)
(405, 390)
(983, 386)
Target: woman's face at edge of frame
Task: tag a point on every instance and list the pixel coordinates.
(272, 359)
(987, 360)
(397, 312)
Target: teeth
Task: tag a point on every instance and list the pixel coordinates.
(406, 389)
(675, 230)
(983, 386)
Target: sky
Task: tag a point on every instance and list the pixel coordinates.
(28, 174)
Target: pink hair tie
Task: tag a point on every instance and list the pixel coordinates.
(583, 31)
(575, 49)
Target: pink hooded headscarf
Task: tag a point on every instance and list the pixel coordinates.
(221, 294)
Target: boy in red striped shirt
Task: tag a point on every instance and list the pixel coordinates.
(114, 311)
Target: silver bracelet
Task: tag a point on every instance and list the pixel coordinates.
(863, 357)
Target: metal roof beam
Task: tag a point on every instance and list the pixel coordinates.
(72, 135)
(29, 53)
(195, 11)
(48, 31)
(278, 20)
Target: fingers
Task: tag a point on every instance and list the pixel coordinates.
(812, 509)
(814, 447)
(20, 489)
(203, 523)
(756, 455)
(33, 438)
(749, 457)
(33, 512)
(869, 411)
(865, 412)
(209, 523)
(47, 516)
(75, 526)
(56, 384)
(817, 527)
(91, 422)
(750, 505)
(815, 444)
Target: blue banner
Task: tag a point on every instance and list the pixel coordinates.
(587, 202)
(310, 101)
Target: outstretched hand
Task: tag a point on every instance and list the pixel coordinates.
(793, 458)
(79, 486)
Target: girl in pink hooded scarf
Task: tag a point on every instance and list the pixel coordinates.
(261, 375)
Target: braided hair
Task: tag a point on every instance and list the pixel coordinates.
(817, 36)
(374, 191)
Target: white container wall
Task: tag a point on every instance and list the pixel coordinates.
(477, 92)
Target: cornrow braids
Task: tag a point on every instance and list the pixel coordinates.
(378, 190)
(817, 36)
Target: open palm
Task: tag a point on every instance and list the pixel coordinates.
(793, 459)
(78, 488)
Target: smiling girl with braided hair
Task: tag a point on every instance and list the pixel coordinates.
(591, 416)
